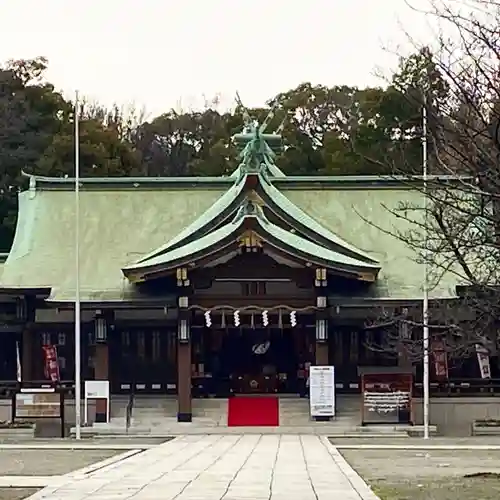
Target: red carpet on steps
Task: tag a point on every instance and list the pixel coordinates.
(253, 411)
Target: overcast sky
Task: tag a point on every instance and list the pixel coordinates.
(169, 53)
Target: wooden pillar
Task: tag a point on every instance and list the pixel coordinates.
(101, 372)
(184, 411)
(321, 334)
(26, 312)
(321, 354)
(322, 351)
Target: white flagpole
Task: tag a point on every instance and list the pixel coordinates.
(78, 385)
(426, 279)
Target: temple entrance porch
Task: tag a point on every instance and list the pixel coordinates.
(253, 360)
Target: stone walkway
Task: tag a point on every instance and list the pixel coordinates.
(244, 467)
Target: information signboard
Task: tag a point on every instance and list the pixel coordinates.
(96, 389)
(322, 391)
(38, 405)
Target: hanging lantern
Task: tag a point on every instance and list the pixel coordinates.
(321, 330)
(100, 328)
(183, 332)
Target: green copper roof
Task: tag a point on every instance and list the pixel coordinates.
(116, 228)
(316, 231)
(218, 212)
(397, 182)
(120, 226)
(321, 242)
(274, 235)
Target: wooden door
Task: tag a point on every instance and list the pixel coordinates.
(142, 358)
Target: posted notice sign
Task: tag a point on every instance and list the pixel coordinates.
(96, 389)
(322, 391)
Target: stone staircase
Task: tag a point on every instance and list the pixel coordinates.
(156, 417)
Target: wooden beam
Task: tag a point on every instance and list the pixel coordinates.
(258, 301)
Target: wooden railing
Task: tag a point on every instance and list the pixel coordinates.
(7, 387)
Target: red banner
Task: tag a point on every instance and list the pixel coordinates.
(51, 370)
(440, 359)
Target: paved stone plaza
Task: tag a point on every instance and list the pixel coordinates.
(242, 467)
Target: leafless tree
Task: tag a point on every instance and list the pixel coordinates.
(456, 230)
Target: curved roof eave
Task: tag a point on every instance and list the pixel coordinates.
(309, 224)
(314, 250)
(292, 244)
(185, 251)
(217, 209)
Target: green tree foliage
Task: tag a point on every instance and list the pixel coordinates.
(338, 130)
(30, 114)
(179, 144)
(37, 136)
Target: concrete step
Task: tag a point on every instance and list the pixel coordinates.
(154, 411)
(175, 429)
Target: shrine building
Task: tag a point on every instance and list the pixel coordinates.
(219, 285)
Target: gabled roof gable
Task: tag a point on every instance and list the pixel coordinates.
(251, 217)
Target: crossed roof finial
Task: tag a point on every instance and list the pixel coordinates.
(257, 149)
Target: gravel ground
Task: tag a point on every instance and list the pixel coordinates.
(132, 441)
(420, 442)
(432, 475)
(434, 441)
(16, 493)
(48, 462)
(449, 489)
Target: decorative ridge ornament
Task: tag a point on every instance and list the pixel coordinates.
(258, 149)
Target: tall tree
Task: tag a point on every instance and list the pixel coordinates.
(195, 143)
(458, 230)
(30, 114)
(37, 136)
(104, 151)
(344, 130)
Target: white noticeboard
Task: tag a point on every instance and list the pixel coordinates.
(96, 389)
(322, 391)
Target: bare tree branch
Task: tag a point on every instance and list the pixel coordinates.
(457, 232)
